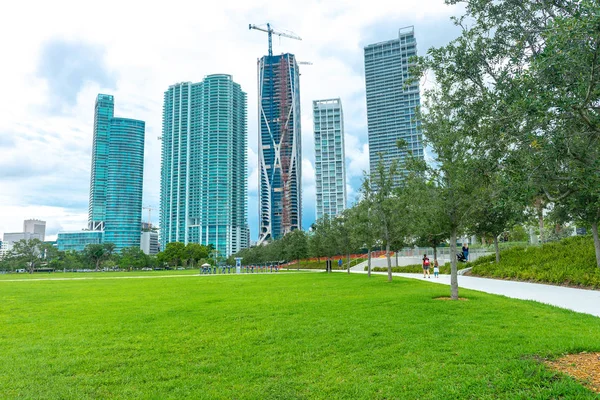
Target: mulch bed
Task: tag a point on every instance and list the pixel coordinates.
(584, 367)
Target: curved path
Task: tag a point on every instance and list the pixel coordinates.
(579, 300)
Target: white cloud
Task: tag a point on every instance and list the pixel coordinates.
(148, 48)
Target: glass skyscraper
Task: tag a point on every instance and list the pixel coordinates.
(204, 185)
(330, 168)
(390, 105)
(103, 112)
(124, 186)
(280, 146)
(116, 183)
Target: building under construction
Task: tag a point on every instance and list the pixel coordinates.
(280, 149)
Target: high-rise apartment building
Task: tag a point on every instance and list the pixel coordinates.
(204, 185)
(330, 168)
(391, 105)
(103, 112)
(116, 183)
(124, 186)
(280, 146)
(35, 226)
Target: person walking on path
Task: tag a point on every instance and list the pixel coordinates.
(465, 250)
(426, 265)
(436, 268)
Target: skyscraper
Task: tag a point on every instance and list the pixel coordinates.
(103, 112)
(124, 186)
(330, 168)
(116, 183)
(390, 105)
(280, 146)
(204, 185)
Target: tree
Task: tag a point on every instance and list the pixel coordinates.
(323, 240)
(383, 203)
(172, 255)
(133, 257)
(341, 227)
(28, 252)
(97, 253)
(194, 252)
(295, 245)
(365, 229)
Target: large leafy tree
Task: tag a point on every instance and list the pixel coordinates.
(96, 254)
(173, 254)
(295, 245)
(27, 252)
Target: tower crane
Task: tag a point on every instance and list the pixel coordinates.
(149, 208)
(270, 31)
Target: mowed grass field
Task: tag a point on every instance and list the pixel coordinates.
(286, 336)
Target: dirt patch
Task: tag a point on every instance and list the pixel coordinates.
(584, 367)
(449, 298)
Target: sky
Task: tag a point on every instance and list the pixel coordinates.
(58, 58)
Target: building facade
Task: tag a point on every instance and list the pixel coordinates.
(280, 147)
(330, 168)
(149, 243)
(13, 237)
(204, 185)
(391, 106)
(116, 182)
(35, 226)
(78, 240)
(124, 186)
(103, 112)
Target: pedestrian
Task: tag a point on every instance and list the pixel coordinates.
(426, 265)
(465, 250)
(436, 268)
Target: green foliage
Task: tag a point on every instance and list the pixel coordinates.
(96, 254)
(133, 257)
(229, 337)
(568, 262)
(26, 254)
(173, 254)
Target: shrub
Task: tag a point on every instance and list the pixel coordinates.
(571, 261)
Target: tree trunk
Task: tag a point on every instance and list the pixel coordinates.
(348, 262)
(497, 249)
(541, 224)
(396, 258)
(596, 243)
(453, 269)
(369, 263)
(389, 261)
(434, 252)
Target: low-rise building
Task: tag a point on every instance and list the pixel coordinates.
(149, 242)
(78, 240)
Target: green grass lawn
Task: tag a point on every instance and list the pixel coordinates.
(292, 335)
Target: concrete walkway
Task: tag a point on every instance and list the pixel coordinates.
(579, 300)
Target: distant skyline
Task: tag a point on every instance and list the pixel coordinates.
(63, 55)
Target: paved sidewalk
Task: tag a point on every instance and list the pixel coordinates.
(580, 300)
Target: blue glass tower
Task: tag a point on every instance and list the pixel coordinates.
(103, 112)
(124, 186)
(280, 147)
(391, 105)
(116, 182)
(204, 166)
